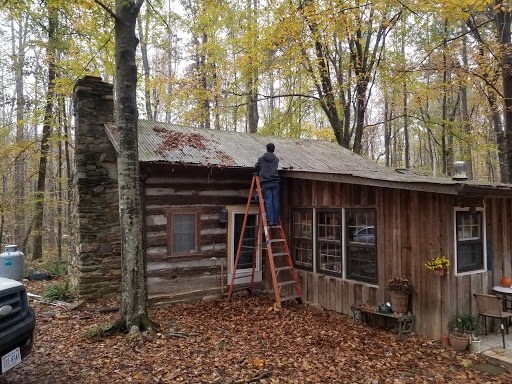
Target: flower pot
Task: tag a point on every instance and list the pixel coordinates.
(439, 272)
(459, 342)
(399, 301)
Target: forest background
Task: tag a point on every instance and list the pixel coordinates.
(408, 84)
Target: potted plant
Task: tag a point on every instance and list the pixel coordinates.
(463, 327)
(399, 290)
(438, 265)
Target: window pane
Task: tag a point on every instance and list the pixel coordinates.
(330, 257)
(470, 255)
(361, 254)
(248, 249)
(303, 254)
(329, 241)
(362, 263)
(329, 225)
(302, 247)
(184, 233)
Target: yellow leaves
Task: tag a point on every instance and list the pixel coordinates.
(255, 362)
(465, 363)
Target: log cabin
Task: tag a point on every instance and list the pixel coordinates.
(351, 224)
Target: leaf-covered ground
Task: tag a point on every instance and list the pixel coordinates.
(245, 340)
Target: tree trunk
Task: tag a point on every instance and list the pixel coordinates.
(18, 54)
(466, 149)
(37, 250)
(133, 285)
(490, 77)
(252, 69)
(145, 65)
(503, 24)
(407, 150)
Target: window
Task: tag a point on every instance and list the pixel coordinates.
(328, 225)
(302, 233)
(336, 242)
(361, 254)
(470, 241)
(183, 233)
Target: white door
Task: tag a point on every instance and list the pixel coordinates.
(250, 251)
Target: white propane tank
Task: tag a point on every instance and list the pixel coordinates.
(12, 263)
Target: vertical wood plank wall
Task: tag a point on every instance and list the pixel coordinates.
(412, 227)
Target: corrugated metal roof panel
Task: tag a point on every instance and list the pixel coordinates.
(179, 144)
(161, 142)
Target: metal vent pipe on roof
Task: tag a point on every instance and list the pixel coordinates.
(459, 171)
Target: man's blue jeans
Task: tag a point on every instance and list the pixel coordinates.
(270, 190)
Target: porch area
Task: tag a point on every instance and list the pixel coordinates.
(492, 346)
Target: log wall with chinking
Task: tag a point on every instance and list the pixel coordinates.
(410, 225)
(206, 190)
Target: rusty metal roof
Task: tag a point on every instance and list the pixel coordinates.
(176, 144)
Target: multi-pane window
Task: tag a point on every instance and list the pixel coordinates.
(361, 253)
(303, 238)
(328, 224)
(470, 243)
(183, 233)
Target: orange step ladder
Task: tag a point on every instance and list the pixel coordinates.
(284, 278)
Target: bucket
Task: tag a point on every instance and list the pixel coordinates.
(399, 301)
(475, 346)
(12, 263)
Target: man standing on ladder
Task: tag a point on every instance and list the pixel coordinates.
(269, 180)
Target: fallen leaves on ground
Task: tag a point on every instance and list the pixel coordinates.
(239, 341)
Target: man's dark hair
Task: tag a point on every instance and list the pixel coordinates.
(270, 147)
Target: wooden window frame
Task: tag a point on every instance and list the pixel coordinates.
(480, 241)
(351, 244)
(170, 231)
(300, 235)
(332, 241)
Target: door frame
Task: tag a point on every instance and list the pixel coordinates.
(243, 277)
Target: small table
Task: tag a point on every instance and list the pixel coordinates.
(505, 293)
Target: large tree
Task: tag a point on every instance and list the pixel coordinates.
(133, 314)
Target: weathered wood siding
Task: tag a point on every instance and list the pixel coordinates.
(176, 187)
(410, 225)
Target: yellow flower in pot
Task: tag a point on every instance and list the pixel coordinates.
(438, 265)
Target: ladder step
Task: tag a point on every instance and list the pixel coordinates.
(277, 254)
(288, 298)
(277, 241)
(284, 283)
(279, 269)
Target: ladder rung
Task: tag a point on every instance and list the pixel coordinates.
(288, 298)
(277, 240)
(284, 283)
(279, 269)
(277, 254)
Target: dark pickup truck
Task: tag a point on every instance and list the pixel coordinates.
(17, 324)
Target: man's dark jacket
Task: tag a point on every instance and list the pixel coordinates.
(267, 167)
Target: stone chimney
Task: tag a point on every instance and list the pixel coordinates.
(95, 266)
